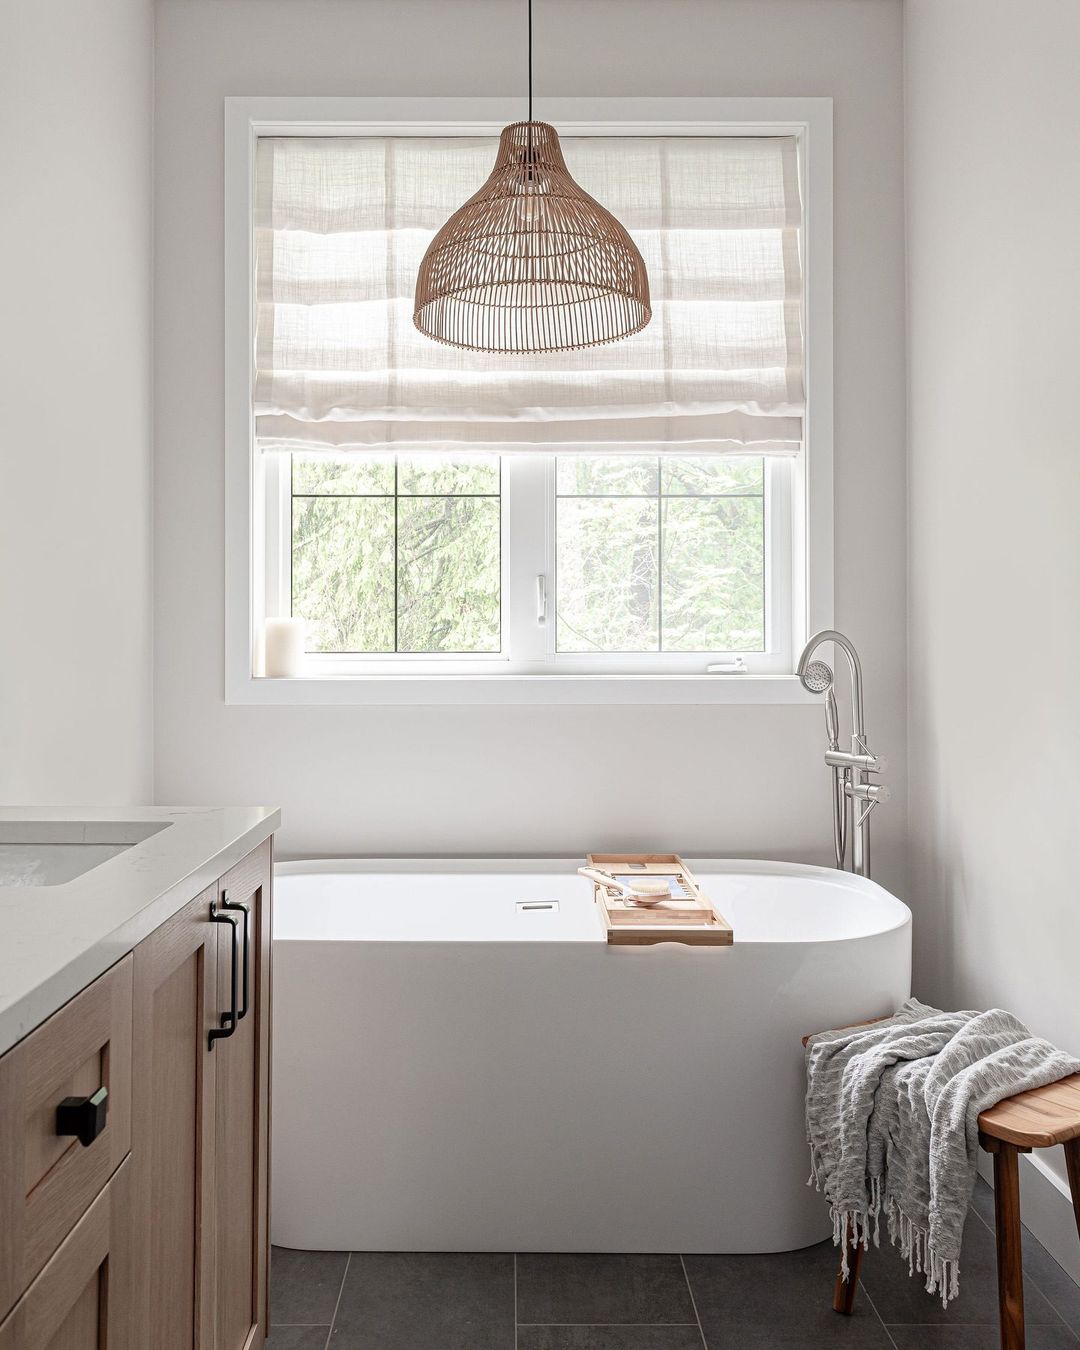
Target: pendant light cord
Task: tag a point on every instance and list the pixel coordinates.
(530, 61)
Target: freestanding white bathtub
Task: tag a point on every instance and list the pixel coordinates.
(456, 1069)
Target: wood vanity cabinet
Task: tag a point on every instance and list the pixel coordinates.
(154, 1234)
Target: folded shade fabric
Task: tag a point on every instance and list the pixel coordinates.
(892, 1113)
(341, 224)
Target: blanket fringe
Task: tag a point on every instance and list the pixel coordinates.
(852, 1228)
(817, 1168)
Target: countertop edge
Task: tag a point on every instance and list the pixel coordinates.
(29, 1011)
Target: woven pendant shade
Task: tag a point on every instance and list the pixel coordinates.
(531, 263)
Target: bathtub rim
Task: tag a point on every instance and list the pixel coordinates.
(424, 865)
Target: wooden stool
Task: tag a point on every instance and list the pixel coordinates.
(1040, 1118)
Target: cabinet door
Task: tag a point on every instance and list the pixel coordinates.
(242, 1069)
(82, 1299)
(175, 1006)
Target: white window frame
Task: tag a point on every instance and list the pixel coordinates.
(799, 494)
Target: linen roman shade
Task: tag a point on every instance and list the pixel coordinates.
(341, 224)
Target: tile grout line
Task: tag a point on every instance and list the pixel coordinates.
(1064, 1322)
(992, 1230)
(515, 1304)
(693, 1302)
(995, 1323)
(337, 1303)
(881, 1321)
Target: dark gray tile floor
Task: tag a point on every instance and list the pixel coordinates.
(492, 1301)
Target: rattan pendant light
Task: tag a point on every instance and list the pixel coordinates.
(531, 263)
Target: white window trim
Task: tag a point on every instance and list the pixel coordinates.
(809, 119)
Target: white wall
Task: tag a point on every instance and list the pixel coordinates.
(76, 107)
(993, 182)
(356, 780)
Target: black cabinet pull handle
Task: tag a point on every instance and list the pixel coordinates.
(234, 906)
(228, 1019)
(84, 1117)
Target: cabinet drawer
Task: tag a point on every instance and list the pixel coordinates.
(49, 1178)
(82, 1299)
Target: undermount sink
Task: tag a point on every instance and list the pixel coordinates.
(50, 853)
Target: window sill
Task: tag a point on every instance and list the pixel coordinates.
(519, 690)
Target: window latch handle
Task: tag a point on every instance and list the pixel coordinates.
(541, 598)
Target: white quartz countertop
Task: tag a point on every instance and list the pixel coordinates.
(56, 939)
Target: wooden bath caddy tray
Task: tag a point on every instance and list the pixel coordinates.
(689, 916)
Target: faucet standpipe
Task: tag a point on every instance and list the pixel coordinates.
(853, 796)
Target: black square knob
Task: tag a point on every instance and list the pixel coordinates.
(83, 1117)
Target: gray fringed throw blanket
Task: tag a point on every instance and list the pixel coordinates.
(891, 1119)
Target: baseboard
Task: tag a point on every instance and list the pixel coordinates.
(1046, 1208)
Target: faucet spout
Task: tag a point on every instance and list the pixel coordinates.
(858, 715)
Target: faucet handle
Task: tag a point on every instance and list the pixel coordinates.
(868, 792)
(868, 762)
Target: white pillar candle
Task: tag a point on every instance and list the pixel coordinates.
(283, 647)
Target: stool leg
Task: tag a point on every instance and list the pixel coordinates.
(1009, 1255)
(1072, 1161)
(844, 1291)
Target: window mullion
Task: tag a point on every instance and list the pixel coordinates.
(527, 548)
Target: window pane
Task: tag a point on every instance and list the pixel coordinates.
(621, 475)
(342, 475)
(715, 475)
(448, 574)
(714, 575)
(607, 575)
(343, 572)
(438, 475)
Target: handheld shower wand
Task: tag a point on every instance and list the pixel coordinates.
(832, 730)
(818, 678)
(832, 721)
(854, 797)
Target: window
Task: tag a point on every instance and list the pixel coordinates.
(637, 510)
(576, 564)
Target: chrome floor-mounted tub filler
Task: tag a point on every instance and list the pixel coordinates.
(855, 793)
